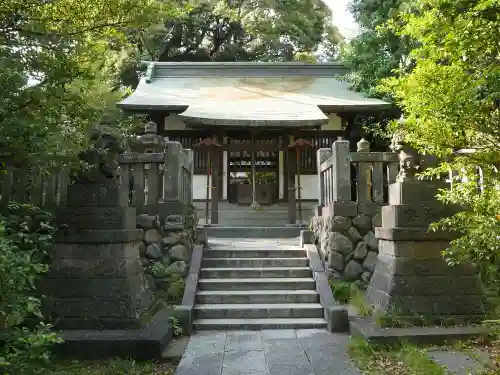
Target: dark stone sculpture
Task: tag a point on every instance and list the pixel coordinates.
(99, 160)
(97, 286)
(409, 159)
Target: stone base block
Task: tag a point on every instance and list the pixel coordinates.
(97, 217)
(413, 234)
(98, 236)
(336, 315)
(96, 195)
(146, 343)
(370, 331)
(412, 279)
(349, 209)
(100, 313)
(410, 215)
(412, 249)
(337, 318)
(414, 192)
(306, 237)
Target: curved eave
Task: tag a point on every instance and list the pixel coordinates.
(325, 108)
(290, 123)
(145, 107)
(356, 107)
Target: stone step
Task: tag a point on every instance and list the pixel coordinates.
(245, 273)
(252, 231)
(255, 311)
(253, 253)
(258, 324)
(257, 284)
(255, 262)
(257, 296)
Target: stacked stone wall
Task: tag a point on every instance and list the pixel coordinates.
(166, 248)
(347, 243)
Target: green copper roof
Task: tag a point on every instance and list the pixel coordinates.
(248, 94)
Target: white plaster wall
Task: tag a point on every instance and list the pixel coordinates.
(224, 175)
(200, 186)
(334, 122)
(174, 122)
(281, 171)
(309, 185)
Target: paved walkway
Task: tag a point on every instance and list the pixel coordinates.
(269, 352)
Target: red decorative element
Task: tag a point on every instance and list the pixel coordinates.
(300, 143)
(208, 143)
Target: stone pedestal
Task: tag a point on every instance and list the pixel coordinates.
(411, 278)
(96, 280)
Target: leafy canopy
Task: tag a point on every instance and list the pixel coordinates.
(451, 101)
(54, 82)
(377, 50)
(236, 30)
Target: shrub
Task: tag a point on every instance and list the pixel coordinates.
(341, 291)
(25, 238)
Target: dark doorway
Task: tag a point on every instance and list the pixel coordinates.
(240, 148)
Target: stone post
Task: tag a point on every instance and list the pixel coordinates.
(411, 278)
(322, 155)
(341, 171)
(96, 282)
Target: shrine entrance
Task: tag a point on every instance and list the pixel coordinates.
(248, 154)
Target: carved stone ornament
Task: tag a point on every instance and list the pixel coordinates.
(99, 160)
(149, 141)
(409, 159)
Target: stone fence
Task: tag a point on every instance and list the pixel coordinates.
(158, 183)
(126, 228)
(352, 188)
(155, 179)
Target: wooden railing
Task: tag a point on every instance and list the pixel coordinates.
(361, 176)
(156, 183)
(31, 185)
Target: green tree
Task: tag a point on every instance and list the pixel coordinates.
(378, 51)
(451, 101)
(54, 81)
(237, 30)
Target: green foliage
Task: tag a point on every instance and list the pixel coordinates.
(350, 293)
(175, 289)
(401, 359)
(378, 50)
(341, 291)
(25, 238)
(262, 30)
(176, 326)
(109, 367)
(54, 79)
(451, 101)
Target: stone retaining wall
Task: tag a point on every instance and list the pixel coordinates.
(166, 248)
(347, 243)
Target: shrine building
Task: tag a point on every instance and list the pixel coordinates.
(251, 108)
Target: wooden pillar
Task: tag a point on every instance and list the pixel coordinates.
(215, 185)
(292, 203)
(285, 139)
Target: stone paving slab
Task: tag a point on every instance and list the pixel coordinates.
(460, 363)
(268, 352)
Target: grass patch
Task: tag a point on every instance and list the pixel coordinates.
(341, 291)
(350, 293)
(403, 359)
(109, 367)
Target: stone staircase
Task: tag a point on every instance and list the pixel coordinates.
(256, 284)
(243, 216)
